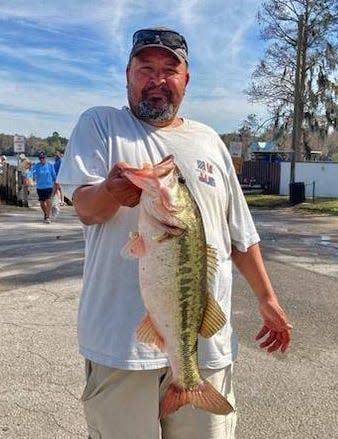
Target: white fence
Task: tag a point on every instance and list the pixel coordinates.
(323, 174)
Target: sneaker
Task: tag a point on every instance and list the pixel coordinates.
(47, 220)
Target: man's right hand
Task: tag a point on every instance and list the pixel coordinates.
(122, 190)
(98, 203)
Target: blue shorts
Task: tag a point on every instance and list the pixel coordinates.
(44, 194)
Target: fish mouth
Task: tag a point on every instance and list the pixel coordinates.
(174, 230)
(170, 230)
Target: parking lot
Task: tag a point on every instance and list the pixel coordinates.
(292, 396)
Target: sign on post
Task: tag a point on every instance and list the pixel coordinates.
(19, 143)
(238, 164)
(235, 149)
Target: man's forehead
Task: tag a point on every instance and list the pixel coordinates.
(153, 53)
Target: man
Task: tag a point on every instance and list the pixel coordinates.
(59, 199)
(44, 176)
(57, 161)
(125, 380)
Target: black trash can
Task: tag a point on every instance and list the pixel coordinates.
(297, 193)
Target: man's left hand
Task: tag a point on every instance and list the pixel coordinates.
(276, 328)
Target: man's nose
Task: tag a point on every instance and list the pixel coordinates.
(158, 77)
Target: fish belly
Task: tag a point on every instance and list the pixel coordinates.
(173, 290)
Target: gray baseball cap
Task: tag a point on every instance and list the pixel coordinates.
(160, 37)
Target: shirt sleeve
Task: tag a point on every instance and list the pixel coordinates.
(52, 171)
(85, 158)
(241, 225)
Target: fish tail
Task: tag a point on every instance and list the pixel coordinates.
(203, 396)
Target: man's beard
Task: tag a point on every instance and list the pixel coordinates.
(148, 111)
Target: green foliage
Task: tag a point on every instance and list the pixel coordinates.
(320, 205)
(261, 200)
(34, 144)
(56, 142)
(6, 143)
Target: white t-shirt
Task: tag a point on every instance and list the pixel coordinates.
(110, 305)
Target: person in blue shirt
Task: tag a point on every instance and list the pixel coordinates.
(58, 160)
(44, 176)
(58, 188)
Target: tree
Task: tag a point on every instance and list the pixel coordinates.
(34, 145)
(6, 143)
(250, 126)
(303, 35)
(56, 142)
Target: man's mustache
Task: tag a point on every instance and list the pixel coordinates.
(162, 88)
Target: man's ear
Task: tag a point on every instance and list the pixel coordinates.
(187, 78)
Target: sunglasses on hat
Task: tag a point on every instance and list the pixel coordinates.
(167, 38)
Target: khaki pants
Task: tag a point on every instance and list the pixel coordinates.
(123, 404)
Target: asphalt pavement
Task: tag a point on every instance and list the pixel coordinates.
(290, 396)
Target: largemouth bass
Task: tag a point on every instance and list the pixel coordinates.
(175, 264)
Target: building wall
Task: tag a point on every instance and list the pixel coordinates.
(324, 174)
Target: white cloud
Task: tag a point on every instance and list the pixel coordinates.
(225, 112)
(43, 109)
(76, 58)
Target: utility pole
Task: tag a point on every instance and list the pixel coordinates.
(298, 102)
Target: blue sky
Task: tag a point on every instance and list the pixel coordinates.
(60, 57)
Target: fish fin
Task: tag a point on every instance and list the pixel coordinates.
(213, 318)
(146, 333)
(134, 248)
(203, 396)
(212, 261)
(206, 397)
